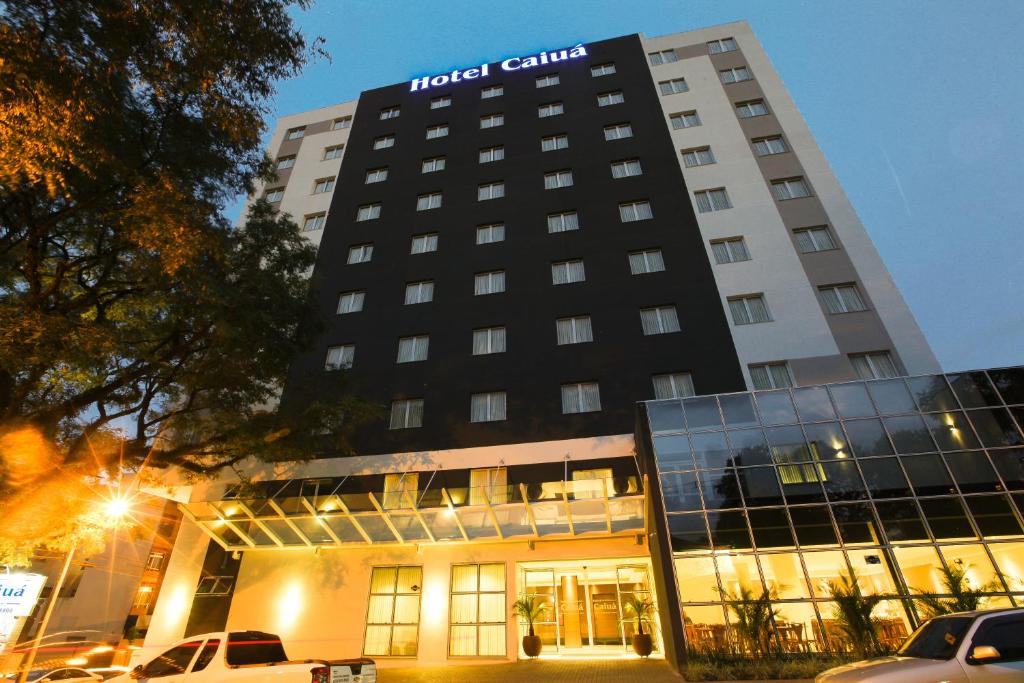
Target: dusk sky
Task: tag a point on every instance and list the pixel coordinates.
(916, 105)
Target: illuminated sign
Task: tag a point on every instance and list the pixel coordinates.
(511, 64)
(18, 593)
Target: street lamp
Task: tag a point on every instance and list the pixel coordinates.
(113, 510)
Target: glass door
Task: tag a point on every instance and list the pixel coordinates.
(539, 584)
(633, 584)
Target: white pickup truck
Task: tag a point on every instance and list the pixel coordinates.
(245, 657)
(967, 647)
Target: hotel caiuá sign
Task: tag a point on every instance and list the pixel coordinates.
(511, 64)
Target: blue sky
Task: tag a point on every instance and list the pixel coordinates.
(917, 106)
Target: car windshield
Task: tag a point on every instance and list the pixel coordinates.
(936, 639)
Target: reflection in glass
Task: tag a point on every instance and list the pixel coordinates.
(868, 438)
(1010, 464)
(947, 518)
(729, 530)
(760, 486)
(901, 521)
(771, 529)
(702, 413)
(813, 526)
(884, 478)
(842, 481)
(994, 516)
(928, 475)
(852, 400)
(932, 393)
(951, 431)
(827, 441)
(995, 427)
(972, 472)
(775, 407)
(750, 447)
(665, 416)
(680, 491)
(688, 532)
(909, 435)
(720, 488)
(1010, 383)
(710, 449)
(673, 453)
(787, 445)
(812, 404)
(738, 410)
(973, 389)
(891, 396)
(857, 524)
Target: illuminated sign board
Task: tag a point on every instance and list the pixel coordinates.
(18, 593)
(511, 64)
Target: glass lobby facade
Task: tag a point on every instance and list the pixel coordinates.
(786, 490)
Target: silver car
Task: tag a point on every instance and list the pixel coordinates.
(968, 647)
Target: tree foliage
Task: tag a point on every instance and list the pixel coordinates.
(752, 617)
(853, 612)
(963, 596)
(128, 305)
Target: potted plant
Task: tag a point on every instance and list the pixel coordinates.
(642, 608)
(530, 610)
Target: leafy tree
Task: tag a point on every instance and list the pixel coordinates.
(853, 614)
(964, 596)
(752, 616)
(135, 321)
(530, 609)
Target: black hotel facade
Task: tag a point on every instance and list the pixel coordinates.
(511, 263)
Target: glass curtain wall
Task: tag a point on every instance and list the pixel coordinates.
(783, 493)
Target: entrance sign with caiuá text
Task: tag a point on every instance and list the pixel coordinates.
(511, 64)
(18, 595)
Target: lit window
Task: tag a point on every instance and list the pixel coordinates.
(489, 283)
(492, 91)
(730, 250)
(773, 144)
(673, 385)
(580, 397)
(488, 340)
(491, 233)
(567, 272)
(492, 120)
(360, 253)
(489, 154)
(490, 191)
(324, 185)
(422, 244)
(624, 169)
(673, 86)
(719, 46)
(393, 615)
(477, 603)
(487, 407)
(215, 585)
(790, 188)
(275, 195)
(351, 302)
(143, 598)
(376, 175)
(646, 261)
(684, 119)
(635, 211)
(155, 561)
(296, 133)
(550, 109)
(333, 152)
(368, 212)
(563, 222)
(574, 330)
(659, 320)
(809, 240)
(284, 163)
(606, 99)
(413, 349)
(735, 75)
(314, 221)
(557, 179)
(432, 165)
(406, 414)
(425, 202)
(547, 81)
(441, 102)
(384, 141)
(663, 57)
(771, 376)
(552, 143)
(746, 110)
(619, 131)
(343, 122)
(700, 156)
(842, 299)
(874, 365)
(439, 131)
(602, 70)
(339, 357)
(712, 200)
(749, 309)
(419, 292)
(400, 491)
(389, 113)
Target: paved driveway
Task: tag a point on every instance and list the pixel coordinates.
(539, 671)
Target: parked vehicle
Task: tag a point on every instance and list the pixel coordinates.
(986, 646)
(245, 657)
(106, 672)
(66, 673)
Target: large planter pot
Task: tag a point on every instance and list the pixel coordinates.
(531, 645)
(642, 644)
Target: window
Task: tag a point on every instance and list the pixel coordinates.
(413, 349)
(809, 240)
(550, 109)
(492, 91)
(333, 152)
(874, 365)
(368, 212)
(563, 222)
(432, 165)
(699, 156)
(155, 561)
(673, 86)
(206, 655)
(552, 143)
(173, 662)
(735, 75)
(673, 385)
(477, 610)
(419, 292)
(618, 131)
(487, 407)
(215, 585)
(389, 113)
(749, 309)
(489, 154)
(751, 108)
(663, 57)
(400, 490)
(491, 233)
(406, 413)
(602, 70)
(384, 141)
(340, 357)
(557, 179)
(490, 191)
(314, 221)
(421, 244)
(376, 175)
(492, 120)
(343, 122)
(393, 615)
(489, 283)
(771, 376)
(659, 320)
(439, 131)
(842, 298)
(323, 185)
(275, 195)
(635, 211)
(580, 397)
(284, 163)
(296, 133)
(624, 169)
(606, 99)
(441, 102)
(360, 253)
(684, 119)
(488, 484)
(730, 250)
(574, 330)
(488, 340)
(547, 81)
(1003, 634)
(790, 188)
(712, 200)
(425, 202)
(723, 45)
(646, 261)
(351, 302)
(773, 144)
(567, 272)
